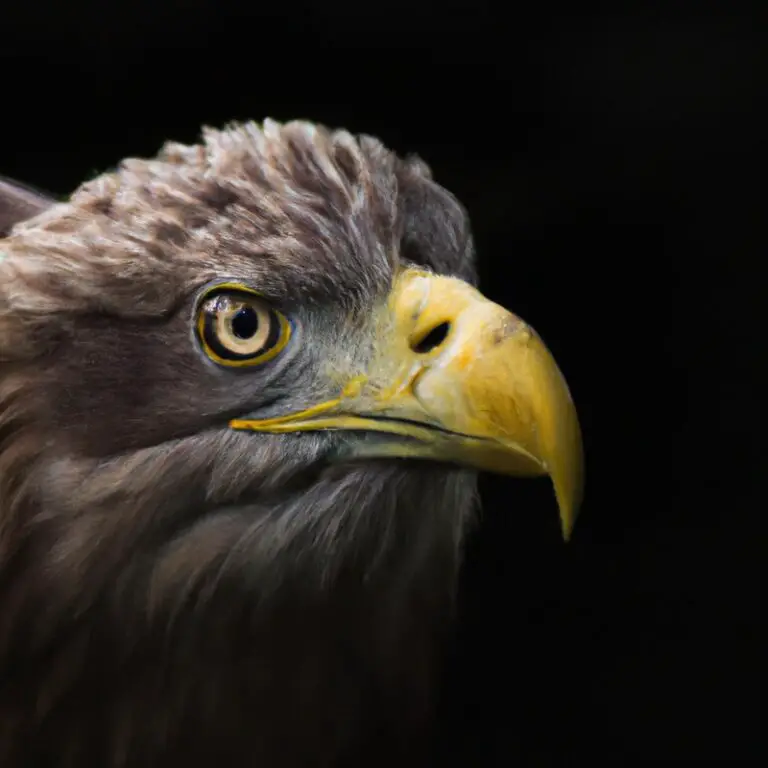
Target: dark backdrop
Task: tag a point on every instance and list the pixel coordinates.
(611, 165)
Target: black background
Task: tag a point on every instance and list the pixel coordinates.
(611, 163)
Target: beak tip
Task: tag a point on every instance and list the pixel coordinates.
(569, 501)
(566, 526)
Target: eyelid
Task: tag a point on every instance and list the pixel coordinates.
(270, 293)
(231, 285)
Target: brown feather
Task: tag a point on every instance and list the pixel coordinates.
(18, 203)
(171, 592)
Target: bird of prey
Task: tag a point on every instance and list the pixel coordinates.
(245, 390)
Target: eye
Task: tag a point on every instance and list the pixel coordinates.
(237, 328)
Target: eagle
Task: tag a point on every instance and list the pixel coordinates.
(246, 387)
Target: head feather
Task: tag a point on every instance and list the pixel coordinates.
(204, 595)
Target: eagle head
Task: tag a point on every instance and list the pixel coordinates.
(245, 387)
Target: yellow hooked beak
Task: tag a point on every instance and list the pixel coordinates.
(455, 377)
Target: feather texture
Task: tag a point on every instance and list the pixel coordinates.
(172, 592)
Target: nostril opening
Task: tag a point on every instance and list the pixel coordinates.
(432, 340)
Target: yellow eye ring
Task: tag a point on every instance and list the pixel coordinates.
(237, 328)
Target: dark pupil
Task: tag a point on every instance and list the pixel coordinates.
(245, 323)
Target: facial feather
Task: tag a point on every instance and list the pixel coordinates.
(149, 556)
